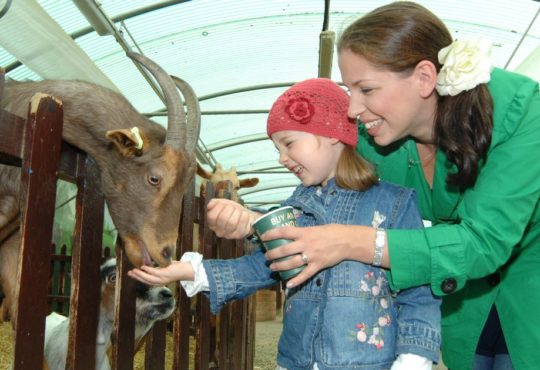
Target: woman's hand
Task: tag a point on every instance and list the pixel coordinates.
(324, 246)
(229, 219)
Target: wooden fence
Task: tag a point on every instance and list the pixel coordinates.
(60, 277)
(225, 341)
(34, 144)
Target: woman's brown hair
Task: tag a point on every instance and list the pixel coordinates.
(354, 172)
(397, 37)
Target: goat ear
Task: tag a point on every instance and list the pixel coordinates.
(249, 183)
(203, 173)
(129, 142)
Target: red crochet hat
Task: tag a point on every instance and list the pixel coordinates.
(318, 106)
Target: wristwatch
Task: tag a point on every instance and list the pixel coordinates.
(380, 236)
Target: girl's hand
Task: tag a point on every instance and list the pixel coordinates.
(324, 246)
(176, 271)
(229, 219)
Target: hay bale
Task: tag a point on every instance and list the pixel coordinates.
(265, 305)
(6, 345)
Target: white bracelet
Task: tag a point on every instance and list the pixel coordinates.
(380, 236)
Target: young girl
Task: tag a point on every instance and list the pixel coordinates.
(346, 316)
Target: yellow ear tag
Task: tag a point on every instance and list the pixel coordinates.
(137, 136)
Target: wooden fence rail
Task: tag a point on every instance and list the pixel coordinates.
(34, 144)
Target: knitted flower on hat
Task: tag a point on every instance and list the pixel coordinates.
(318, 106)
(300, 110)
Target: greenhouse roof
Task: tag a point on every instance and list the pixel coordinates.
(237, 55)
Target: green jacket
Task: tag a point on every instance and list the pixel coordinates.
(493, 227)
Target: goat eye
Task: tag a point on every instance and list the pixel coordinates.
(153, 180)
(111, 278)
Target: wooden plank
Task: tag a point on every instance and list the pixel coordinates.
(182, 317)
(250, 332)
(233, 336)
(85, 271)
(69, 162)
(12, 129)
(226, 355)
(238, 327)
(154, 358)
(248, 312)
(123, 336)
(203, 330)
(38, 192)
(220, 340)
(12, 137)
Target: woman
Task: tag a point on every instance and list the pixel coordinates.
(436, 117)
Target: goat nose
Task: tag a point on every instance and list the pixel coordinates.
(165, 293)
(167, 253)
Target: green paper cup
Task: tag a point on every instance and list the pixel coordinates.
(279, 217)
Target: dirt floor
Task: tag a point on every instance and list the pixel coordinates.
(267, 334)
(266, 338)
(5, 345)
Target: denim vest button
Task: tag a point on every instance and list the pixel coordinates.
(318, 282)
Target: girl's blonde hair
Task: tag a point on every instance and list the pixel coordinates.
(354, 172)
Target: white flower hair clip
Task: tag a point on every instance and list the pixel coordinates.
(465, 65)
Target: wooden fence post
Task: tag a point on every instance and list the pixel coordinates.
(183, 318)
(40, 158)
(85, 262)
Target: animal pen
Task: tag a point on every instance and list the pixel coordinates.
(34, 144)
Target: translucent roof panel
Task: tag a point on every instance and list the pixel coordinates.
(256, 48)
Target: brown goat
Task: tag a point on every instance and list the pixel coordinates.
(144, 172)
(221, 175)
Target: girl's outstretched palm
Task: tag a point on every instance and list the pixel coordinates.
(163, 275)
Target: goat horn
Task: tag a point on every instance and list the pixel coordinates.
(176, 117)
(193, 113)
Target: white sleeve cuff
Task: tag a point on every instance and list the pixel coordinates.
(409, 361)
(200, 279)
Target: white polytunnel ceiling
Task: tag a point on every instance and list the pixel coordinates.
(238, 56)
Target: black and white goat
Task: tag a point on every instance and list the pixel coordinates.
(153, 304)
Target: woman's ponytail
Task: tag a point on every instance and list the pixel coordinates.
(463, 132)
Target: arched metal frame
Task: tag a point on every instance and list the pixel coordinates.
(205, 151)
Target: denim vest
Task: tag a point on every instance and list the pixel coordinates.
(344, 317)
